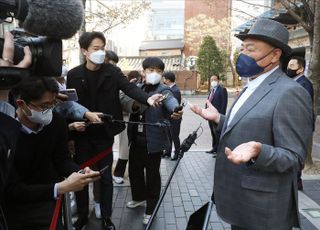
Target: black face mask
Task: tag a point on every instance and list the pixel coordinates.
(292, 73)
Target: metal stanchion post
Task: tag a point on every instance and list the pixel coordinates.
(67, 215)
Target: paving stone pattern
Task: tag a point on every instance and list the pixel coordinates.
(190, 188)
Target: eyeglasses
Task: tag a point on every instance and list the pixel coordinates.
(44, 108)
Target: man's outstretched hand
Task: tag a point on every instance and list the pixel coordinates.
(244, 152)
(210, 113)
(155, 100)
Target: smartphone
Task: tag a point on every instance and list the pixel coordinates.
(101, 171)
(71, 93)
(164, 96)
(178, 108)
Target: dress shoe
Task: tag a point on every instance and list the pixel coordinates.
(214, 154)
(210, 151)
(165, 155)
(80, 223)
(107, 224)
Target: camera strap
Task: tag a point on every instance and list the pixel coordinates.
(89, 162)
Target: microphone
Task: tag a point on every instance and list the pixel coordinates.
(188, 142)
(59, 19)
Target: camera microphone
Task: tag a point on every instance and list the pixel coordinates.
(59, 19)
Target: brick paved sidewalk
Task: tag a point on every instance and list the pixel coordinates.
(191, 187)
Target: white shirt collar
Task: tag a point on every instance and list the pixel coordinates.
(297, 77)
(253, 84)
(27, 130)
(172, 85)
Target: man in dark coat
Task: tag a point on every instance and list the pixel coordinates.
(169, 79)
(295, 70)
(218, 97)
(98, 86)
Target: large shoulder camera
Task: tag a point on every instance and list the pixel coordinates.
(46, 58)
(55, 19)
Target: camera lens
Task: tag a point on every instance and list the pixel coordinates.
(46, 55)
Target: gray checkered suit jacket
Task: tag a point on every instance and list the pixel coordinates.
(263, 195)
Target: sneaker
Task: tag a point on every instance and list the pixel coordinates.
(118, 180)
(97, 210)
(134, 204)
(80, 223)
(146, 219)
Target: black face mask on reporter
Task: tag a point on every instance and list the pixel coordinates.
(292, 73)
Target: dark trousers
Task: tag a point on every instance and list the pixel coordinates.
(84, 151)
(174, 137)
(175, 131)
(32, 216)
(144, 188)
(214, 136)
(299, 174)
(120, 168)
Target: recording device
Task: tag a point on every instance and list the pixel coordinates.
(71, 93)
(56, 19)
(59, 19)
(46, 58)
(185, 146)
(179, 108)
(187, 143)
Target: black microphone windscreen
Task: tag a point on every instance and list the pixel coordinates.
(58, 19)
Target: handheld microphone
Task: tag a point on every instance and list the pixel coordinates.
(188, 142)
(58, 19)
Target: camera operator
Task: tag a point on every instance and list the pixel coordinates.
(10, 127)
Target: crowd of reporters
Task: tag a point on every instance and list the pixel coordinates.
(47, 140)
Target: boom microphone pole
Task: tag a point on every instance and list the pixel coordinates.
(185, 146)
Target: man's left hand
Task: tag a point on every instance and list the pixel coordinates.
(244, 152)
(155, 100)
(177, 115)
(93, 116)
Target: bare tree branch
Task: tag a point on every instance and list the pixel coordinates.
(255, 4)
(309, 12)
(299, 19)
(243, 12)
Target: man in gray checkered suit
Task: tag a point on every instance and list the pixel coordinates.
(263, 138)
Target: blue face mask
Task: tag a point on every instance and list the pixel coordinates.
(247, 67)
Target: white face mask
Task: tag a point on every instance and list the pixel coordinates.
(97, 57)
(40, 117)
(214, 84)
(153, 78)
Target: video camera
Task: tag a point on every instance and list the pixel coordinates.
(46, 56)
(44, 23)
